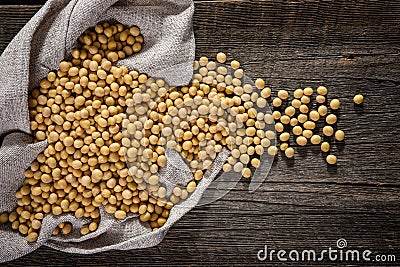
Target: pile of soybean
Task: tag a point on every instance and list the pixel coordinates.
(297, 119)
(108, 129)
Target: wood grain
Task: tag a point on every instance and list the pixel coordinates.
(350, 47)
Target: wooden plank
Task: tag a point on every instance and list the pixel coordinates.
(13, 18)
(350, 47)
(229, 240)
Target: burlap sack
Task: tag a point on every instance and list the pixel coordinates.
(38, 48)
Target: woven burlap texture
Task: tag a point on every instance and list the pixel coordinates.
(38, 48)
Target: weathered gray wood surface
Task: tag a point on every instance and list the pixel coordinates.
(349, 46)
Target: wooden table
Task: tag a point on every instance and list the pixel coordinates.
(350, 47)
